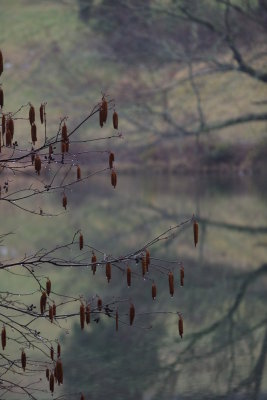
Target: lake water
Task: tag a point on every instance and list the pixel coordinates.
(223, 302)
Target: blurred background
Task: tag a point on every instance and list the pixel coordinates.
(189, 83)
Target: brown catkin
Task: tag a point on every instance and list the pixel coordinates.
(43, 302)
(81, 241)
(154, 291)
(101, 116)
(104, 107)
(113, 178)
(181, 326)
(87, 314)
(79, 175)
(51, 382)
(63, 147)
(111, 160)
(59, 369)
(23, 360)
(182, 276)
(8, 138)
(93, 261)
(64, 133)
(3, 124)
(1, 97)
(42, 113)
(31, 114)
(99, 304)
(10, 126)
(47, 374)
(58, 350)
(144, 267)
(147, 259)
(108, 271)
(3, 337)
(129, 276)
(64, 201)
(51, 314)
(131, 313)
(171, 283)
(117, 320)
(52, 353)
(48, 286)
(34, 133)
(115, 120)
(195, 228)
(82, 316)
(54, 309)
(1, 63)
(37, 164)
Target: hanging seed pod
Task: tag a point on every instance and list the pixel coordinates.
(117, 320)
(144, 270)
(42, 113)
(51, 382)
(23, 360)
(182, 276)
(59, 369)
(87, 314)
(81, 241)
(47, 374)
(64, 133)
(147, 259)
(195, 232)
(54, 310)
(104, 107)
(3, 337)
(171, 283)
(93, 261)
(108, 271)
(99, 304)
(115, 120)
(78, 173)
(1, 63)
(132, 313)
(111, 160)
(1, 98)
(43, 302)
(101, 116)
(48, 287)
(82, 316)
(64, 201)
(52, 353)
(129, 276)
(8, 138)
(3, 124)
(181, 326)
(37, 164)
(34, 133)
(31, 114)
(63, 147)
(58, 350)
(154, 291)
(10, 126)
(67, 143)
(113, 178)
(51, 315)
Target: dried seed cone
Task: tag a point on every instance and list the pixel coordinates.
(3, 338)
(37, 164)
(31, 115)
(59, 371)
(48, 287)
(101, 117)
(64, 201)
(144, 269)
(129, 276)
(154, 291)
(63, 147)
(113, 178)
(54, 310)
(1, 98)
(147, 259)
(117, 321)
(99, 304)
(171, 283)
(108, 271)
(10, 126)
(181, 326)
(111, 160)
(23, 360)
(3, 124)
(93, 261)
(115, 120)
(51, 382)
(81, 241)
(195, 228)
(51, 314)
(1, 63)
(8, 138)
(64, 133)
(42, 113)
(82, 316)
(52, 353)
(58, 350)
(43, 302)
(47, 374)
(182, 276)
(104, 107)
(79, 175)
(34, 133)
(87, 314)
(132, 314)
